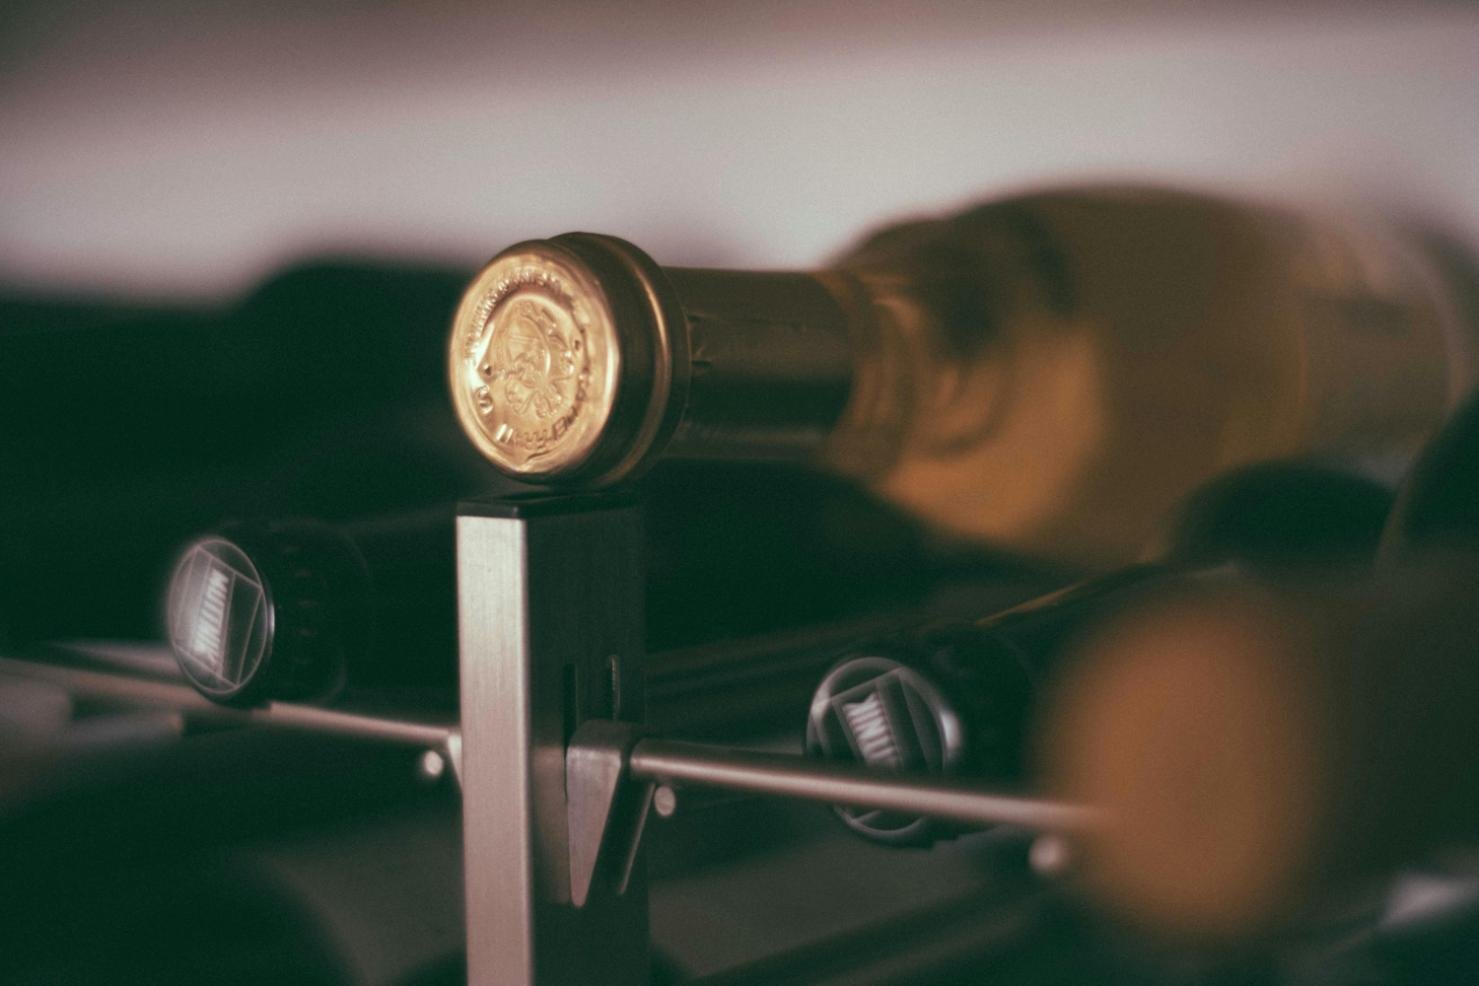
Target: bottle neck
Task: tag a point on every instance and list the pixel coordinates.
(837, 366)
(771, 364)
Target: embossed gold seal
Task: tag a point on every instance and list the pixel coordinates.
(569, 360)
(534, 361)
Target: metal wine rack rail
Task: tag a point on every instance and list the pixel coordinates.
(551, 747)
(557, 780)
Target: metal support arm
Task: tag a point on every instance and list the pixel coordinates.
(549, 595)
(611, 775)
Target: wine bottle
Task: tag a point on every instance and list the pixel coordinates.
(125, 430)
(1438, 502)
(960, 698)
(1051, 373)
(1259, 751)
(300, 609)
(93, 387)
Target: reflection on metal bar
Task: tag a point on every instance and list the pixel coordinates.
(417, 730)
(675, 762)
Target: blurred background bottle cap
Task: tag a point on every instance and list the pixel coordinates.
(260, 611)
(952, 699)
(880, 712)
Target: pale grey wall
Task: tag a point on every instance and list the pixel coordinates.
(171, 147)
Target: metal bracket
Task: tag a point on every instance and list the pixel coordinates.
(549, 595)
(606, 821)
(556, 784)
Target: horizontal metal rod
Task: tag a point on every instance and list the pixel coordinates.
(417, 729)
(678, 763)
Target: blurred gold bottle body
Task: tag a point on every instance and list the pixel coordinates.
(1136, 344)
(1050, 374)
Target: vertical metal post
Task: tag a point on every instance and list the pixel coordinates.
(549, 594)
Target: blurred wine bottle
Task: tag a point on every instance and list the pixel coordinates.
(1260, 749)
(124, 431)
(1051, 373)
(960, 698)
(91, 389)
(1438, 503)
(301, 609)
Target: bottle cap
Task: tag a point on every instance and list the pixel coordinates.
(268, 611)
(569, 360)
(952, 700)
